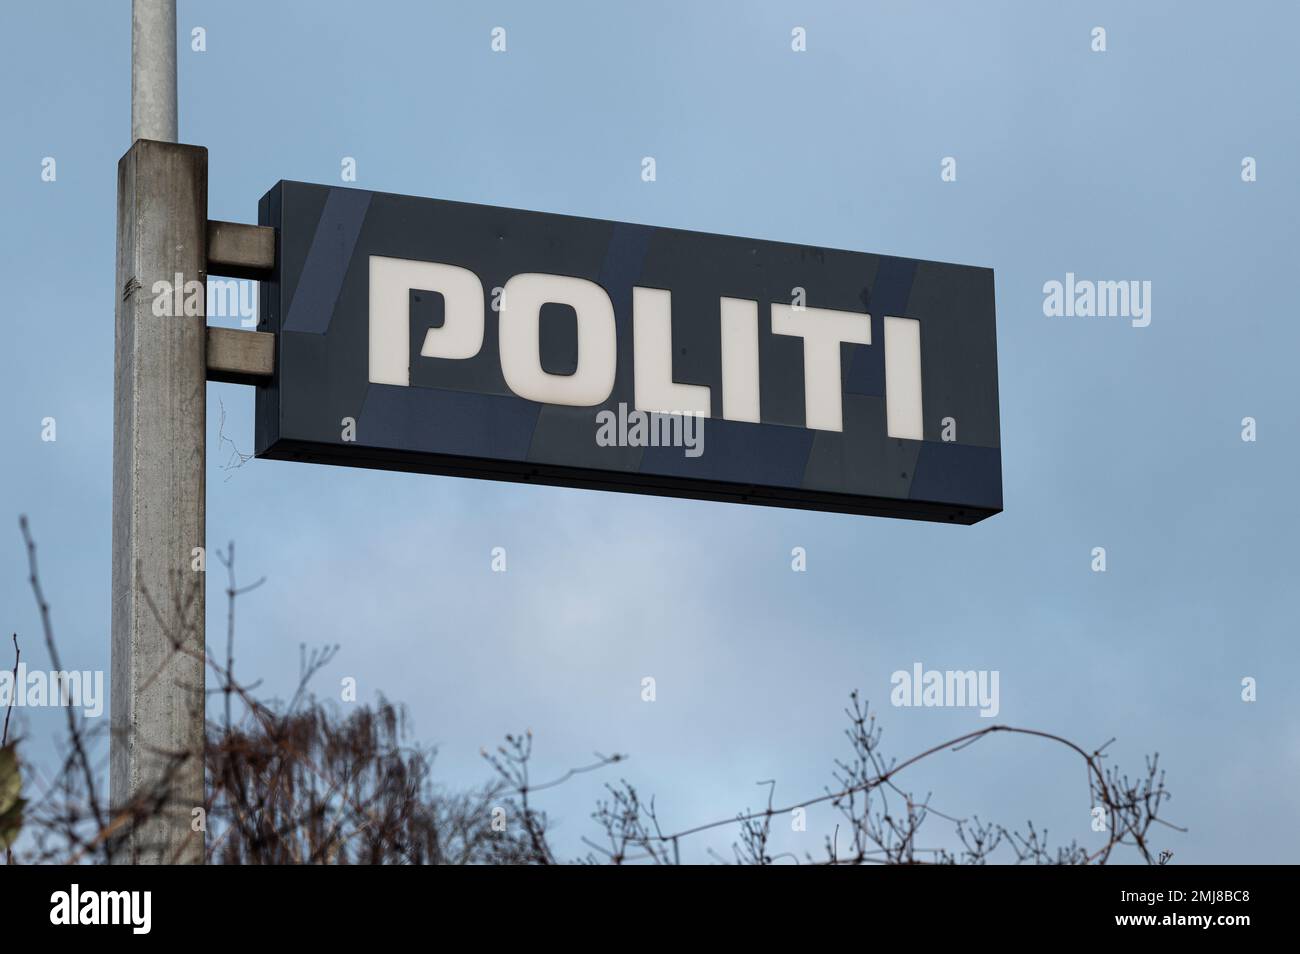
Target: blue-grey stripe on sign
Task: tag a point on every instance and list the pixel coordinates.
(732, 452)
(889, 293)
(327, 261)
(959, 473)
(447, 422)
(624, 260)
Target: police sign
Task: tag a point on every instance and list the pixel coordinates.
(447, 338)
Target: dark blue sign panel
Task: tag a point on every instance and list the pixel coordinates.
(447, 338)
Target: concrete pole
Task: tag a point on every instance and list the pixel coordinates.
(159, 424)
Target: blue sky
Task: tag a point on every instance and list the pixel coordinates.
(1117, 165)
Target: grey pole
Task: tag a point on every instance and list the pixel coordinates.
(159, 421)
(153, 70)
